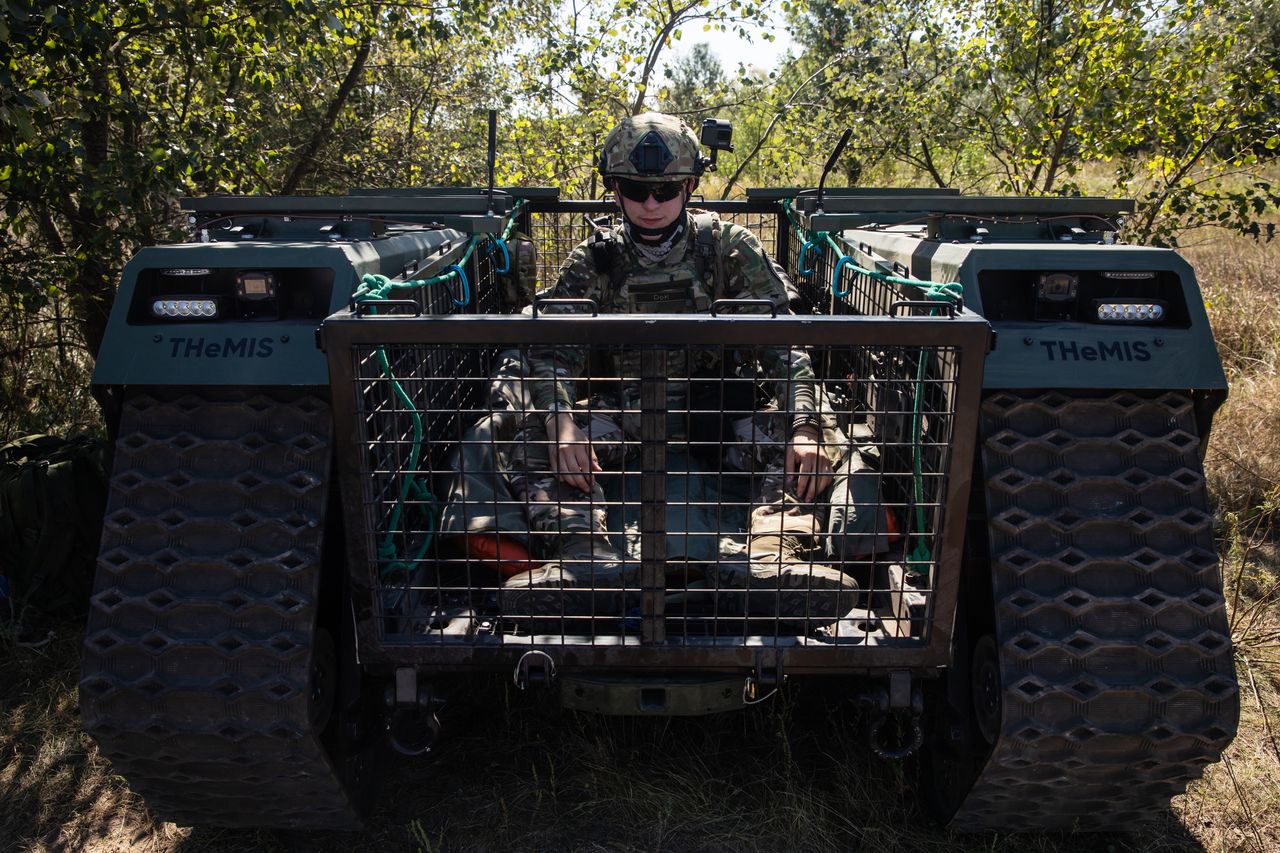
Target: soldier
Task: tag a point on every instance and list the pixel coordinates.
(666, 258)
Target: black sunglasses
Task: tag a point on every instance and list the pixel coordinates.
(641, 190)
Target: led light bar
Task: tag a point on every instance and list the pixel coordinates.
(1130, 312)
(1128, 275)
(185, 307)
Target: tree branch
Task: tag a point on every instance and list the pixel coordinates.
(774, 121)
(305, 163)
(655, 50)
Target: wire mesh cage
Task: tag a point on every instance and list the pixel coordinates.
(694, 529)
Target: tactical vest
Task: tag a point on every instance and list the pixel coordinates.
(686, 287)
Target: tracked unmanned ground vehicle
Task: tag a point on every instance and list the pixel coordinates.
(307, 530)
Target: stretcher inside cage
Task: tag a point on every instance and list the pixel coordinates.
(692, 528)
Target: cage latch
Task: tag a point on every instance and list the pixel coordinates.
(535, 667)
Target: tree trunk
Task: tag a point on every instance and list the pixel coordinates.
(92, 286)
(305, 164)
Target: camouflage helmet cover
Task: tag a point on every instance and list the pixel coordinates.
(651, 147)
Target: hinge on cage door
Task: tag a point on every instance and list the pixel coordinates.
(767, 678)
(534, 667)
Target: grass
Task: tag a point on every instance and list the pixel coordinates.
(514, 772)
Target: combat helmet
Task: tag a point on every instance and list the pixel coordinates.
(651, 147)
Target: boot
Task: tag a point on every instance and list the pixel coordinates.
(783, 584)
(586, 581)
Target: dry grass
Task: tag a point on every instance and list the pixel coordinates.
(1241, 283)
(1237, 805)
(57, 793)
(516, 773)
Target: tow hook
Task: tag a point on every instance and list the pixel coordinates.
(535, 667)
(902, 702)
(412, 724)
(766, 680)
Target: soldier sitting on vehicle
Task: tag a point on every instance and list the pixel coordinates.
(668, 258)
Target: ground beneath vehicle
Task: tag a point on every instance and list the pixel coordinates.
(298, 544)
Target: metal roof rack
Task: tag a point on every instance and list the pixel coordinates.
(841, 211)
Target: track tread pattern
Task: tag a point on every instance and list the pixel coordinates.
(1116, 662)
(197, 653)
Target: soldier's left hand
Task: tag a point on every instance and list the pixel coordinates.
(808, 468)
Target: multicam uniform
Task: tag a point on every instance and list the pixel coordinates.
(680, 282)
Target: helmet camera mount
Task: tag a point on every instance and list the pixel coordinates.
(717, 134)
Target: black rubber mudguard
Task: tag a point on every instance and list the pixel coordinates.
(201, 641)
(1117, 685)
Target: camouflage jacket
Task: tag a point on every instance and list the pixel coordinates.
(681, 282)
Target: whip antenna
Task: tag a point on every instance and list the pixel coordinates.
(831, 163)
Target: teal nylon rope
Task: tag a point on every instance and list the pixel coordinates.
(920, 558)
(375, 288)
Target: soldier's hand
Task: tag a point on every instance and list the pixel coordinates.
(808, 468)
(573, 459)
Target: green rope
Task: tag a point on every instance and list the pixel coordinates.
(814, 239)
(921, 557)
(374, 288)
(380, 287)
(410, 489)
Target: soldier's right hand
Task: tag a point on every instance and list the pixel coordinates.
(573, 460)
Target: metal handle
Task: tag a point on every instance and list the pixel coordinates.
(568, 303)
(365, 307)
(727, 304)
(922, 304)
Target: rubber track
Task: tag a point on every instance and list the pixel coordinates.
(199, 640)
(1116, 662)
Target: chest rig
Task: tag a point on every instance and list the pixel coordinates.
(684, 287)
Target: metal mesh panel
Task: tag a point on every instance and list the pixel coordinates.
(859, 293)
(694, 554)
(556, 233)
(557, 230)
(482, 296)
(814, 288)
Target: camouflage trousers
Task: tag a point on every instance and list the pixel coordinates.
(775, 520)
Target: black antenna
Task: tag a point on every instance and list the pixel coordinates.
(831, 163)
(493, 151)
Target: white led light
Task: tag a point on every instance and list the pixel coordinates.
(1143, 312)
(185, 308)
